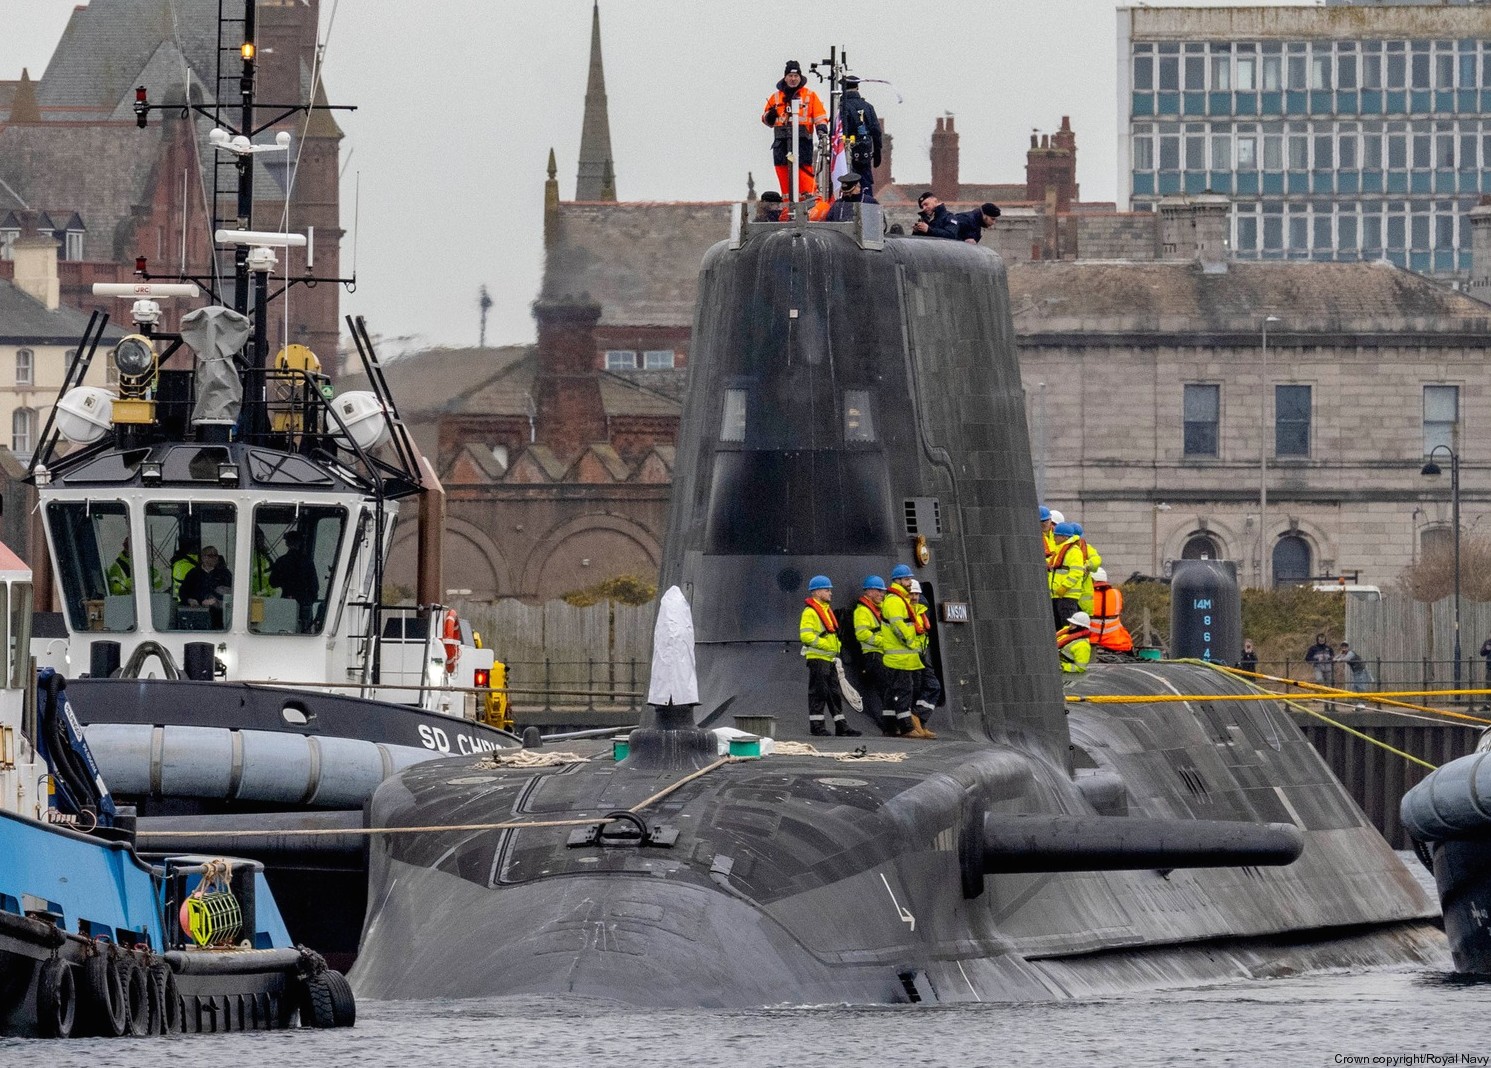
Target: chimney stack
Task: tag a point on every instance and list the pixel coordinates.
(36, 269)
(1212, 213)
(568, 394)
(1051, 163)
(945, 184)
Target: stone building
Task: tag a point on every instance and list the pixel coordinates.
(1160, 422)
(74, 166)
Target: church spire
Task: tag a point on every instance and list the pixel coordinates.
(596, 178)
(23, 108)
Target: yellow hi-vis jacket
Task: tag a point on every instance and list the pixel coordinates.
(899, 630)
(869, 628)
(820, 639)
(924, 624)
(1094, 561)
(1075, 648)
(1067, 568)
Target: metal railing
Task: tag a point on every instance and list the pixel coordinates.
(1389, 675)
(590, 685)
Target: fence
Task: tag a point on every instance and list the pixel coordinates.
(1415, 641)
(569, 665)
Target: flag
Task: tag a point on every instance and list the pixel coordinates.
(840, 159)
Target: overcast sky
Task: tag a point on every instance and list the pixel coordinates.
(460, 100)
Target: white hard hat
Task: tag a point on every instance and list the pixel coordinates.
(1100, 575)
(916, 587)
(1057, 517)
(1080, 619)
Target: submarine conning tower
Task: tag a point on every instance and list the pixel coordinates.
(853, 397)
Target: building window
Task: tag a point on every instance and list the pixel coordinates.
(1291, 560)
(1291, 420)
(859, 421)
(1441, 415)
(25, 367)
(1245, 79)
(7, 243)
(22, 432)
(733, 423)
(1202, 415)
(621, 360)
(72, 248)
(658, 360)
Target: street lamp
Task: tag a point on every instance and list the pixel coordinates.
(1263, 462)
(1431, 470)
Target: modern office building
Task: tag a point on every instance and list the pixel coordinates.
(1345, 132)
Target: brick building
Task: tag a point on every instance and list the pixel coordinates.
(74, 167)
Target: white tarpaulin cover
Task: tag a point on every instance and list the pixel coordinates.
(216, 334)
(673, 678)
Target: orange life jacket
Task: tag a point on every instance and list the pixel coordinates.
(1108, 631)
(1068, 634)
(873, 607)
(825, 613)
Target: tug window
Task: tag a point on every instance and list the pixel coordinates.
(95, 564)
(295, 552)
(733, 423)
(194, 546)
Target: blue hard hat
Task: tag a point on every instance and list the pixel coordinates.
(1077, 529)
(1045, 513)
(1065, 530)
(819, 582)
(874, 582)
(900, 571)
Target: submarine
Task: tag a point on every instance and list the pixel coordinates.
(855, 402)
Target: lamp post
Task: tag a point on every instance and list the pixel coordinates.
(1263, 463)
(1432, 470)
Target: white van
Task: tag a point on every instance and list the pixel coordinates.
(1355, 589)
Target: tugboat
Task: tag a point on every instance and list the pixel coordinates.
(854, 403)
(89, 938)
(218, 527)
(1448, 813)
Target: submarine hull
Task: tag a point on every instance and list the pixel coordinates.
(855, 402)
(808, 879)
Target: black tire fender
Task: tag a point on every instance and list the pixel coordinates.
(165, 1000)
(102, 997)
(56, 999)
(317, 1007)
(343, 1004)
(134, 981)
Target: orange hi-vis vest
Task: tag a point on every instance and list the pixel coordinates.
(1108, 631)
(813, 113)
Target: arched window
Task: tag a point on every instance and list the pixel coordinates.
(1291, 560)
(1200, 547)
(22, 432)
(25, 367)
